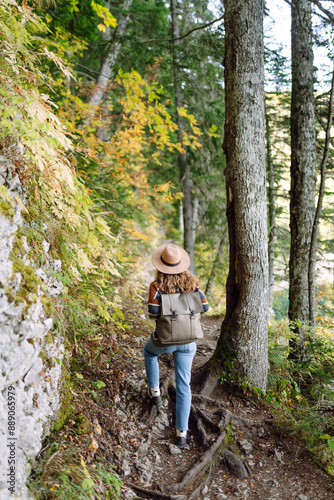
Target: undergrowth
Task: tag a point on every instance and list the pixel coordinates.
(302, 392)
(64, 474)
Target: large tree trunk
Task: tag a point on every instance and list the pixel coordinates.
(272, 214)
(184, 168)
(313, 246)
(303, 154)
(243, 343)
(110, 60)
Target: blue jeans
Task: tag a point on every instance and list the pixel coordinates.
(183, 355)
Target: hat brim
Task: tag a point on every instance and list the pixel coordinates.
(158, 264)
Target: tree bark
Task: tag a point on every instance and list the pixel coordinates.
(303, 154)
(110, 60)
(215, 264)
(243, 342)
(272, 214)
(184, 168)
(313, 246)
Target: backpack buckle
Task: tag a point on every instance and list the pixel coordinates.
(174, 315)
(192, 313)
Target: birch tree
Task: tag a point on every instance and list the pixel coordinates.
(303, 177)
(111, 57)
(242, 345)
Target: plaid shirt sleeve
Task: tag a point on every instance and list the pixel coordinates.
(154, 301)
(205, 302)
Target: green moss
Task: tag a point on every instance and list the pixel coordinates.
(229, 436)
(31, 215)
(12, 297)
(47, 304)
(6, 209)
(65, 401)
(82, 425)
(30, 280)
(47, 360)
(18, 250)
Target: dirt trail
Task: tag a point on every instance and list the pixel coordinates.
(275, 467)
(127, 432)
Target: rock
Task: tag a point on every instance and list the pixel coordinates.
(245, 445)
(128, 493)
(278, 455)
(238, 421)
(143, 448)
(162, 419)
(173, 449)
(28, 351)
(235, 465)
(126, 468)
(158, 433)
(302, 497)
(157, 458)
(145, 469)
(121, 415)
(261, 432)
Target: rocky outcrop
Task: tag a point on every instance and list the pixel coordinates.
(30, 352)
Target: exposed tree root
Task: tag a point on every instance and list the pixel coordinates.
(205, 400)
(207, 418)
(155, 494)
(199, 488)
(202, 463)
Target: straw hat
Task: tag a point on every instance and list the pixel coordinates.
(170, 259)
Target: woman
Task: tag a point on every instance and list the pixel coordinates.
(171, 262)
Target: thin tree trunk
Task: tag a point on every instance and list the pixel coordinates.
(215, 264)
(243, 342)
(272, 214)
(303, 154)
(110, 60)
(195, 221)
(313, 247)
(184, 168)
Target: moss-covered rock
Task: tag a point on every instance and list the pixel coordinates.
(48, 308)
(65, 401)
(6, 209)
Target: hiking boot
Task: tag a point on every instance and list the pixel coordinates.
(181, 442)
(155, 397)
(181, 438)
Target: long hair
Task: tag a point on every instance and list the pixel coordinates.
(174, 283)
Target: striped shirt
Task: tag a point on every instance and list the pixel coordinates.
(154, 300)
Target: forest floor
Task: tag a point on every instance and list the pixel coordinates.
(117, 425)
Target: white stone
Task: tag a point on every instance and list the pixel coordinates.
(173, 449)
(45, 246)
(35, 386)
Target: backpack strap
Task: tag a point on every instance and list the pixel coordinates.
(172, 306)
(191, 306)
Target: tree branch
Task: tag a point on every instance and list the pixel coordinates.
(171, 40)
(325, 11)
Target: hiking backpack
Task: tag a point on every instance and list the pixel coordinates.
(179, 322)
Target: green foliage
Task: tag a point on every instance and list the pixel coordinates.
(302, 392)
(67, 477)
